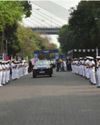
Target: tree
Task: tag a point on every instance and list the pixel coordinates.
(83, 23)
(66, 38)
(51, 46)
(26, 41)
(10, 13)
(83, 28)
(27, 7)
(30, 41)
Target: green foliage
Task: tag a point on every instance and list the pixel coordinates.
(10, 13)
(66, 38)
(26, 8)
(83, 29)
(18, 38)
(51, 46)
(29, 41)
(26, 40)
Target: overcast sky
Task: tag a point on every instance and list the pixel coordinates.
(47, 13)
(50, 13)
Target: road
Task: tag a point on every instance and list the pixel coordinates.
(64, 99)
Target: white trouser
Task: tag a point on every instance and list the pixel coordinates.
(4, 77)
(87, 73)
(0, 78)
(92, 75)
(98, 76)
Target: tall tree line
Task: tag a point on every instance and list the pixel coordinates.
(14, 37)
(83, 29)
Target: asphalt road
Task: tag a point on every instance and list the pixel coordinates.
(64, 99)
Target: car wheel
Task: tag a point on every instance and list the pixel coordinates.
(34, 75)
(50, 75)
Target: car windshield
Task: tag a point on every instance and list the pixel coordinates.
(42, 63)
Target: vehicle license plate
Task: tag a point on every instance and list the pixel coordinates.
(41, 71)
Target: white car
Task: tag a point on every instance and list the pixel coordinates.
(42, 67)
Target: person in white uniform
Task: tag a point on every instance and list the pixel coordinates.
(13, 70)
(65, 66)
(4, 73)
(83, 67)
(92, 70)
(98, 71)
(87, 68)
(8, 71)
(26, 68)
(1, 72)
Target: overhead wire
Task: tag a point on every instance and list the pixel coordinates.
(51, 16)
(51, 20)
(44, 9)
(43, 22)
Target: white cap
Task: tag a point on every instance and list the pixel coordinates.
(89, 57)
(97, 57)
(80, 57)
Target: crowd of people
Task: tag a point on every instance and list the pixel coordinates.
(11, 70)
(63, 65)
(87, 67)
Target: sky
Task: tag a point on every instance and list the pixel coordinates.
(50, 13)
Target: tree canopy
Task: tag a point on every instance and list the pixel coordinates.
(17, 38)
(30, 41)
(83, 28)
(10, 13)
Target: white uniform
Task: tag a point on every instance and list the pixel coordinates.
(87, 69)
(13, 70)
(65, 67)
(8, 72)
(1, 75)
(4, 74)
(79, 67)
(83, 68)
(15, 67)
(76, 67)
(92, 72)
(20, 66)
(17, 70)
(98, 73)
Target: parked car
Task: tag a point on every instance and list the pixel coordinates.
(42, 67)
